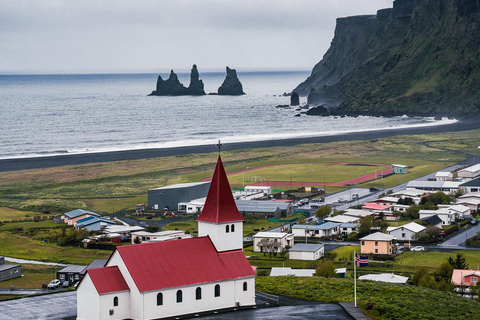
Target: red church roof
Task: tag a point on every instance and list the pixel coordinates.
(107, 279)
(176, 263)
(220, 206)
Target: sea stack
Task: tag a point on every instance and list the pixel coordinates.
(169, 87)
(231, 86)
(294, 99)
(196, 85)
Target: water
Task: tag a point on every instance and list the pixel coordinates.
(69, 114)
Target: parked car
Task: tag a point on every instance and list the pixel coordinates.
(54, 284)
(66, 284)
(340, 200)
(473, 221)
(417, 248)
(373, 189)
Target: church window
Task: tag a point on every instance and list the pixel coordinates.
(159, 299)
(179, 296)
(115, 301)
(227, 228)
(198, 293)
(245, 286)
(232, 228)
(217, 290)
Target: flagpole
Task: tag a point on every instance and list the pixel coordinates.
(355, 275)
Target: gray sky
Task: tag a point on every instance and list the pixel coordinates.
(57, 36)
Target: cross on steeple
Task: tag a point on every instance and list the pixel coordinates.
(219, 145)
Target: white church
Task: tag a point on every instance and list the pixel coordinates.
(177, 277)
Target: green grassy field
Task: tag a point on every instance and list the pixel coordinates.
(33, 275)
(390, 301)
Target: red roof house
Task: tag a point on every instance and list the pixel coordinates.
(177, 277)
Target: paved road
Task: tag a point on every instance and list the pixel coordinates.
(459, 239)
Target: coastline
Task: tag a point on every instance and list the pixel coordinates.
(14, 164)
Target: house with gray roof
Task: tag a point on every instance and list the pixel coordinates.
(266, 208)
(307, 251)
(73, 216)
(9, 271)
(71, 273)
(93, 223)
(326, 229)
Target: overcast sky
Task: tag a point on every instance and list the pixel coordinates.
(82, 36)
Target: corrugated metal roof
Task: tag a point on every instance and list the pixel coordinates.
(323, 226)
(375, 206)
(307, 247)
(181, 185)
(78, 212)
(220, 206)
(472, 183)
(378, 236)
(72, 268)
(108, 279)
(269, 234)
(168, 264)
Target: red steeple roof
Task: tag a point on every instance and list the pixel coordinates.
(220, 206)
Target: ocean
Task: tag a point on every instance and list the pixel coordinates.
(82, 113)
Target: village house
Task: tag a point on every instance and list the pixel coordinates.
(342, 219)
(444, 176)
(282, 240)
(414, 194)
(71, 273)
(349, 228)
(93, 223)
(387, 200)
(470, 200)
(471, 186)
(144, 236)
(447, 216)
(73, 216)
(357, 213)
(307, 251)
(469, 172)
(461, 277)
(406, 232)
(433, 221)
(124, 231)
(9, 271)
(266, 208)
(435, 186)
(377, 243)
(176, 278)
(326, 229)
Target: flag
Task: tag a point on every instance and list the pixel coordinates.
(361, 261)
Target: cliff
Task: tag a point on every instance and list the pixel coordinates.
(420, 57)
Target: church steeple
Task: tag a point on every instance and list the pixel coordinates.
(220, 218)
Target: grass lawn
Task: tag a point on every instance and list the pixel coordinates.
(23, 247)
(13, 214)
(33, 275)
(390, 301)
(30, 225)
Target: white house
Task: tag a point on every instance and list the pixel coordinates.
(471, 186)
(399, 168)
(266, 190)
(357, 213)
(176, 278)
(144, 236)
(193, 206)
(348, 228)
(407, 232)
(326, 229)
(307, 251)
(469, 172)
(472, 203)
(447, 216)
(460, 210)
(343, 219)
(284, 239)
(444, 176)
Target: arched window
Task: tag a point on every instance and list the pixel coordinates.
(115, 301)
(226, 228)
(245, 286)
(198, 293)
(232, 228)
(217, 290)
(159, 299)
(179, 296)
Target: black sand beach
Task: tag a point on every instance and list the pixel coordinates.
(76, 159)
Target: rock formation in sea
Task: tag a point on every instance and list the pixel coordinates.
(231, 86)
(418, 58)
(294, 99)
(173, 87)
(196, 85)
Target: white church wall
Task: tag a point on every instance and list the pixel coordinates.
(136, 300)
(87, 300)
(189, 303)
(245, 298)
(222, 239)
(121, 311)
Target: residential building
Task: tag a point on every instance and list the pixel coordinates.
(377, 243)
(357, 213)
(307, 251)
(72, 273)
(193, 206)
(444, 176)
(461, 277)
(93, 223)
(265, 190)
(180, 278)
(469, 172)
(73, 216)
(9, 271)
(283, 239)
(144, 236)
(472, 203)
(342, 219)
(460, 210)
(406, 232)
(385, 277)
(433, 221)
(387, 200)
(266, 208)
(170, 196)
(435, 186)
(471, 186)
(326, 229)
(446, 215)
(124, 231)
(348, 228)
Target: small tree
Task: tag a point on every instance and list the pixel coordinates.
(136, 240)
(325, 269)
(444, 272)
(459, 262)
(323, 212)
(152, 228)
(412, 212)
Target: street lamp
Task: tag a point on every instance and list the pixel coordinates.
(113, 205)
